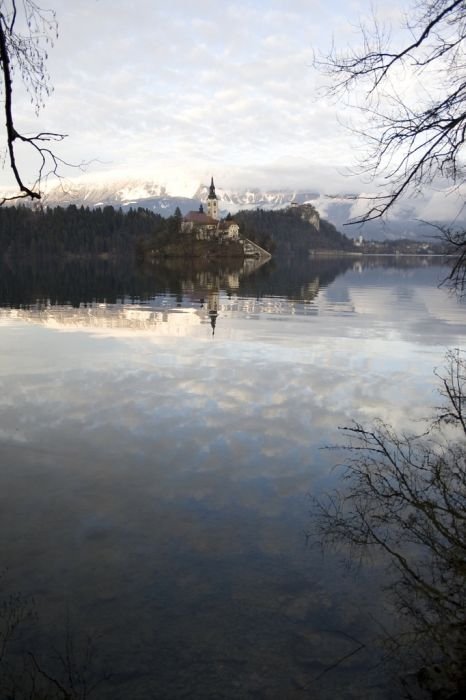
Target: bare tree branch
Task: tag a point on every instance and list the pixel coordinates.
(404, 498)
(412, 138)
(25, 53)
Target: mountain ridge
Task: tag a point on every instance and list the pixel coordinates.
(164, 198)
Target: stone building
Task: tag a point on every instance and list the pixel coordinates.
(208, 225)
(202, 223)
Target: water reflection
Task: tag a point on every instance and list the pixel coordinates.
(178, 300)
(77, 283)
(158, 489)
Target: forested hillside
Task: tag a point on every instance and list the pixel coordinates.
(82, 232)
(73, 231)
(286, 232)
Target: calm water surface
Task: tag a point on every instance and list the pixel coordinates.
(160, 434)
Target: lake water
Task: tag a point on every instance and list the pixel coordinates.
(161, 432)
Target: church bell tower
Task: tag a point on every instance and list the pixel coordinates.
(212, 202)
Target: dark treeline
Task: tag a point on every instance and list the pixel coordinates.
(285, 232)
(77, 231)
(60, 234)
(37, 234)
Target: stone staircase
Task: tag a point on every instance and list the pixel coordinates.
(252, 250)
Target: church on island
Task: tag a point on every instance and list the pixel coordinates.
(207, 225)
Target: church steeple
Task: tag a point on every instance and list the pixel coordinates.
(212, 202)
(212, 194)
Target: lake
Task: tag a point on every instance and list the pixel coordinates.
(161, 433)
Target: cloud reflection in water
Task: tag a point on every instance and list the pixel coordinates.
(152, 472)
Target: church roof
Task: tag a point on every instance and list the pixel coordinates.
(198, 217)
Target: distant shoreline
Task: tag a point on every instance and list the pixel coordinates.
(355, 254)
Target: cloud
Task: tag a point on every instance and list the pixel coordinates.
(186, 90)
(212, 84)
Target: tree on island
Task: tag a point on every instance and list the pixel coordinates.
(174, 222)
(26, 33)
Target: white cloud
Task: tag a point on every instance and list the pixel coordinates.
(224, 84)
(198, 88)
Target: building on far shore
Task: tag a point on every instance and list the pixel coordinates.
(208, 225)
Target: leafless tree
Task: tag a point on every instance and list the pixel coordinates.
(14, 611)
(68, 673)
(413, 135)
(403, 499)
(26, 33)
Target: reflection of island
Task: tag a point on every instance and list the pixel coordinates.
(195, 302)
(198, 274)
(199, 296)
(160, 318)
(202, 293)
(114, 319)
(75, 284)
(212, 309)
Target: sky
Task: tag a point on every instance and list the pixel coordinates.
(186, 89)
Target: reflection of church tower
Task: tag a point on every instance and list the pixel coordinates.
(212, 307)
(212, 202)
(213, 315)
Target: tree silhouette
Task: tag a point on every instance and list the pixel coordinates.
(416, 135)
(26, 31)
(403, 498)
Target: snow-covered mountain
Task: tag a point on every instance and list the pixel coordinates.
(233, 201)
(164, 198)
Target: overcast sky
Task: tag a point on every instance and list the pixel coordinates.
(178, 90)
